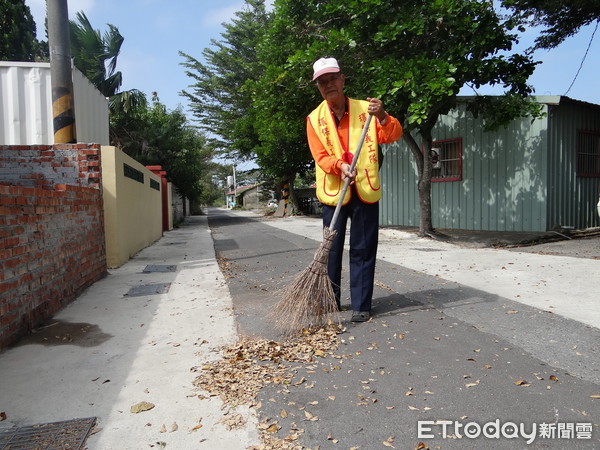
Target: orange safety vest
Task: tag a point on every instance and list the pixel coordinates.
(329, 186)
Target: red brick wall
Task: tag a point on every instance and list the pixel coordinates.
(51, 232)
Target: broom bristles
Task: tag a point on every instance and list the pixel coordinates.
(309, 301)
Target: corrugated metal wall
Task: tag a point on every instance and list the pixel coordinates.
(572, 200)
(522, 178)
(503, 184)
(26, 106)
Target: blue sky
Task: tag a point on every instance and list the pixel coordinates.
(156, 30)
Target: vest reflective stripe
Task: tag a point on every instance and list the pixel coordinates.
(367, 177)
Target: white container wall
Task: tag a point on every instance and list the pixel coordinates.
(26, 106)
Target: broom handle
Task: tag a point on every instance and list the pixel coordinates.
(336, 213)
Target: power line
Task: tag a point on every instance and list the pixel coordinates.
(584, 57)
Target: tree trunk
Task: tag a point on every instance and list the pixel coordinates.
(424, 168)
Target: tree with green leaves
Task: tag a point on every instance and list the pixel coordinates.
(155, 136)
(284, 94)
(18, 40)
(415, 55)
(559, 19)
(218, 96)
(95, 55)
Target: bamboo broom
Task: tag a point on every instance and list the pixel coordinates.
(309, 301)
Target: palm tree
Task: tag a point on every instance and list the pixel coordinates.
(95, 55)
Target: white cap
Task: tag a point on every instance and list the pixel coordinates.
(325, 65)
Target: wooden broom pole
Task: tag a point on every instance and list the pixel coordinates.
(363, 134)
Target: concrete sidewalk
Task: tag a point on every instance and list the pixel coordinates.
(120, 344)
(562, 285)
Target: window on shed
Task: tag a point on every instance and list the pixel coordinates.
(447, 160)
(588, 154)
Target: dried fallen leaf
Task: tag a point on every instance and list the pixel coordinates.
(2, 416)
(332, 439)
(197, 427)
(421, 446)
(174, 427)
(283, 413)
(412, 408)
(595, 396)
(233, 421)
(300, 381)
(141, 407)
(162, 429)
(274, 428)
(388, 442)
(476, 383)
(522, 383)
(553, 378)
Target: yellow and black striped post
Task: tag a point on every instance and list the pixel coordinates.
(63, 114)
(63, 111)
(286, 196)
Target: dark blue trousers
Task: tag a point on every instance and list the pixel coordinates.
(364, 237)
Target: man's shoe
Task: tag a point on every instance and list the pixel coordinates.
(360, 316)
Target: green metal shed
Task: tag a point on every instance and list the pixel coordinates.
(530, 176)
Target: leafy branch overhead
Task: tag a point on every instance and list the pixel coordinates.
(558, 19)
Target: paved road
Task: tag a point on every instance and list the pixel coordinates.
(436, 349)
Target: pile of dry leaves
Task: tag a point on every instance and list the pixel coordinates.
(250, 364)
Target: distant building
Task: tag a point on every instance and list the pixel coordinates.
(245, 196)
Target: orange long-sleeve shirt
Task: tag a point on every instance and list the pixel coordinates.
(390, 132)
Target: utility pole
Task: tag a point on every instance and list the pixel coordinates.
(234, 184)
(61, 73)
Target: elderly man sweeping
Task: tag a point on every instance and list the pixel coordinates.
(334, 130)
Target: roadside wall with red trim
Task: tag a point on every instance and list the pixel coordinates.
(52, 244)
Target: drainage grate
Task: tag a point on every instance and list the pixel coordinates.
(148, 289)
(159, 268)
(69, 434)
